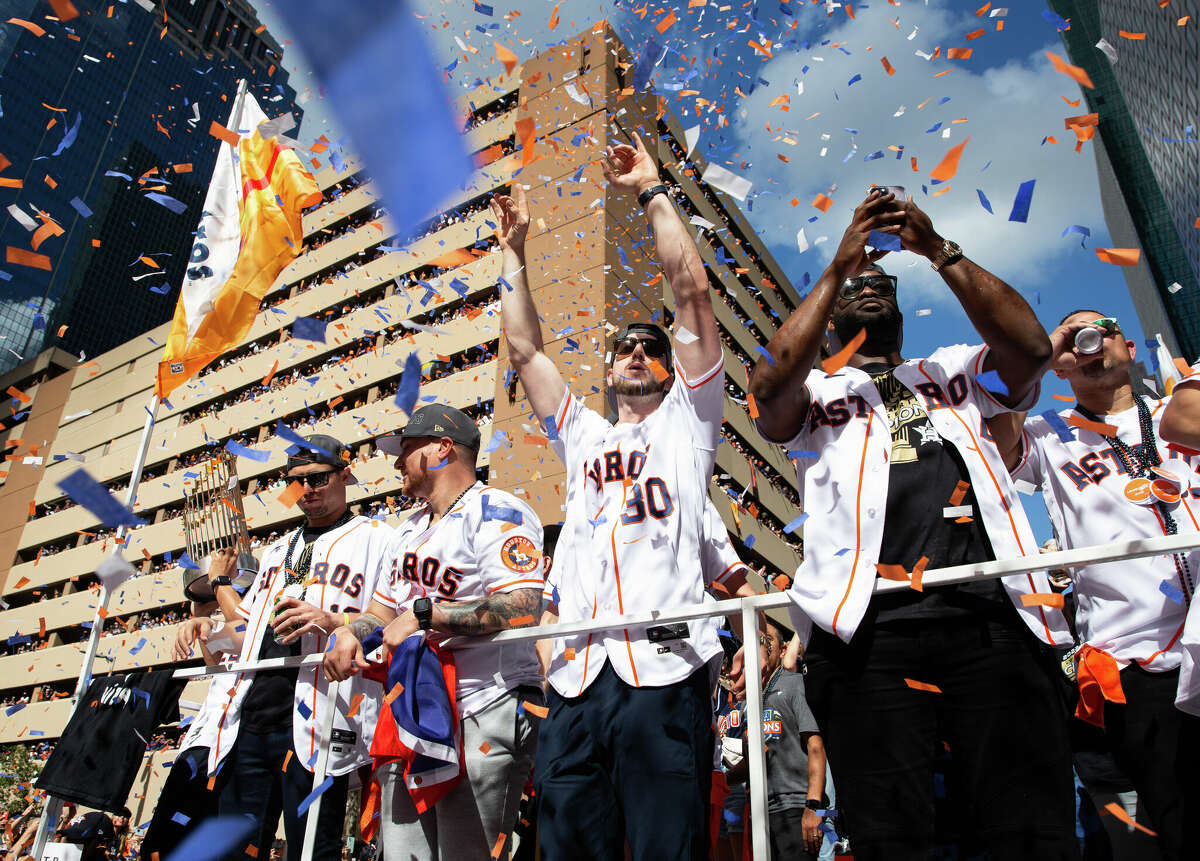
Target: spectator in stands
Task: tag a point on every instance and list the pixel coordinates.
(996, 700)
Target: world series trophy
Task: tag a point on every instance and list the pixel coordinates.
(213, 519)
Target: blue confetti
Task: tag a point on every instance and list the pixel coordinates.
(802, 454)
(317, 792)
(1020, 210)
(991, 381)
(796, 524)
(884, 241)
(245, 451)
(95, 497)
(1168, 588)
(176, 206)
(309, 329)
(80, 207)
(410, 384)
(652, 52)
(1059, 426)
(983, 201)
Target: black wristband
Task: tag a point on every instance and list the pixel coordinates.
(814, 804)
(645, 196)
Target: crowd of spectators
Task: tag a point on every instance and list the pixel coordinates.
(493, 109)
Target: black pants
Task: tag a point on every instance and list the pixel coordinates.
(998, 712)
(258, 788)
(621, 762)
(1158, 747)
(185, 802)
(787, 836)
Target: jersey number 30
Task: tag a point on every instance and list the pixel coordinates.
(655, 498)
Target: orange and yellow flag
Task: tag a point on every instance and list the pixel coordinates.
(249, 231)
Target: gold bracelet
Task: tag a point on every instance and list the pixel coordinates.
(346, 619)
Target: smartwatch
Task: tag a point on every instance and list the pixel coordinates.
(423, 610)
(646, 195)
(222, 580)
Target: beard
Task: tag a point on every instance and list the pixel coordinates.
(633, 388)
(883, 327)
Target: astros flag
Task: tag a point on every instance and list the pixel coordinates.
(249, 230)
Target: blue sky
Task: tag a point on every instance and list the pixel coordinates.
(829, 66)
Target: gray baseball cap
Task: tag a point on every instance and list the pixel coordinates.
(434, 420)
(322, 448)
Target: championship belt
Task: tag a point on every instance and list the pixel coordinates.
(213, 519)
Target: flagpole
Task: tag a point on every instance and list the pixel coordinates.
(53, 806)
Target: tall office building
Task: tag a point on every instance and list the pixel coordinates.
(105, 132)
(1146, 151)
(590, 269)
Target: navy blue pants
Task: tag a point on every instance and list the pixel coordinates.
(184, 791)
(623, 762)
(258, 788)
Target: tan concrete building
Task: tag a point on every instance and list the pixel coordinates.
(589, 270)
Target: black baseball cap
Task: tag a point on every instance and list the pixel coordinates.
(656, 333)
(321, 448)
(434, 420)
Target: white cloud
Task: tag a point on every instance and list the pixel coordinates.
(1009, 109)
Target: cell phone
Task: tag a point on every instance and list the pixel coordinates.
(897, 190)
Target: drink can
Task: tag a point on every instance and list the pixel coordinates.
(1089, 341)
(294, 590)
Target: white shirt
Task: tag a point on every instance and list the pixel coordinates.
(1119, 605)
(844, 490)
(347, 564)
(631, 540)
(471, 552)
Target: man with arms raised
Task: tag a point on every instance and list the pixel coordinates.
(1113, 477)
(907, 478)
(627, 747)
(466, 564)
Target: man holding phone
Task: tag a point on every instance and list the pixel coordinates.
(309, 582)
(908, 478)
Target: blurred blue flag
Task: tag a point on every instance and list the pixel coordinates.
(383, 84)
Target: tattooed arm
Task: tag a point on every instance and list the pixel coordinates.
(516, 609)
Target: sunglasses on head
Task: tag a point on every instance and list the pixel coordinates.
(652, 347)
(313, 479)
(1108, 324)
(880, 284)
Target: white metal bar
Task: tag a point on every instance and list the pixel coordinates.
(755, 741)
(314, 809)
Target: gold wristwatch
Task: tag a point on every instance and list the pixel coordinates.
(949, 253)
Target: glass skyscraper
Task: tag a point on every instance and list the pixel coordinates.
(104, 132)
(1147, 153)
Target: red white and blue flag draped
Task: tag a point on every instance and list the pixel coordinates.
(420, 728)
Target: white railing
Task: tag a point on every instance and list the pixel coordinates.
(749, 608)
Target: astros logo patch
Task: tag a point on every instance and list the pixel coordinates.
(519, 554)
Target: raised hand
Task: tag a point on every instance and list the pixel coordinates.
(630, 168)
(512, 219)
(878, 212)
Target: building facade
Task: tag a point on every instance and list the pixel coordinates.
(103, 116)
(1147, 154)
(590, 271)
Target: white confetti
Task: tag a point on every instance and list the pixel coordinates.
(691, 137)
(956, 511)
(1108, 50)
(726, 181)
(924, 312)
(1174, 287)
(801, 241)
(685, 336)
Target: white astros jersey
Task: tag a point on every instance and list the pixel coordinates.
(1123, 607)
(347, 565)
(488, 543)
(631, 540)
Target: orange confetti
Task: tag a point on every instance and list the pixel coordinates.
(396, 690)
(892, 572)
(499, 847)
(948, 166)
(1075, 73)
(535, 709)
(822, 202)
(838, 360)
(1120, 256)
(569, 653)
(64, 10)
(1066, 398)
(484, 748)
(658, 370)
(286, 760)
(665, 24)
(751, 405)
(520, 621)
(1113, 808)
(21, 257)
(762, 49)
(223, 134)
(1043, 599)
(958, 54)
(918, 573)
(13, 391)
(959, 493)
(507, 57)
(354, 704)
(291, 493)
(49, 228)
(28, 25)
(887, 67)
(1137, 37)
(922, 686)
(974, 34)
(526, 130)
(553, 22)
(1095, 427)
(186, 167)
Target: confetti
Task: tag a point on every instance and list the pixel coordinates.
(922, 686)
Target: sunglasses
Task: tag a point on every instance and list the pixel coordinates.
(654, 349)
(313, 479)
(881, 285)
(1108, 324)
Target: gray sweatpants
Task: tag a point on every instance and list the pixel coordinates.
(466, 823)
